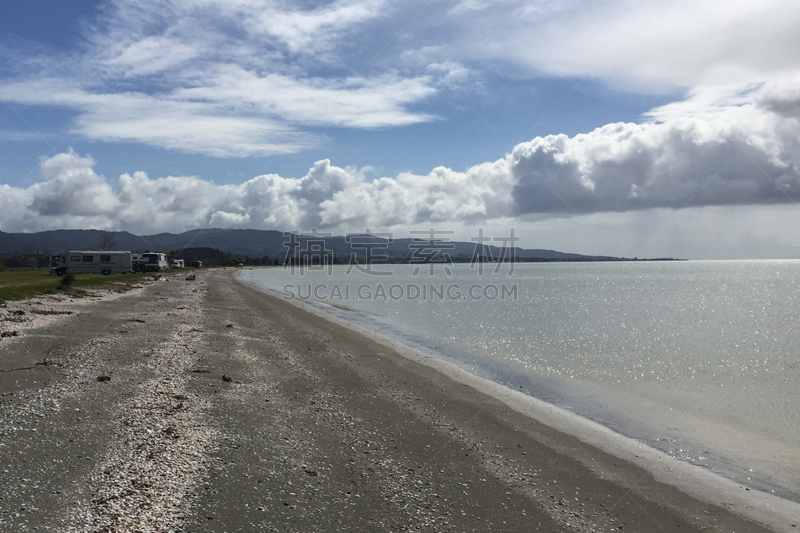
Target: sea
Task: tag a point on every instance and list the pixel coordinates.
(698, 359)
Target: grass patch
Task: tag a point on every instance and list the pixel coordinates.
(18, 284)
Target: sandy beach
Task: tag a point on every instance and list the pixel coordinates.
(209, 405)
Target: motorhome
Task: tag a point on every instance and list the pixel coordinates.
(91, 262)
(178, 263)
(154, 262)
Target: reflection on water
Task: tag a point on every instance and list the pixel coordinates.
(699, 359)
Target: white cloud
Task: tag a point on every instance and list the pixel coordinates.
(229, 220)
(15, 215)
(211, 77)
(200, 128)
(68, 194)
(652, 45)
(150, 55)
(314, 30)
(238, 114)
(71, 195)
(245, 77)
(70, 187)
(250, 77)
(353, 102)
(745, 153)
(443, 196)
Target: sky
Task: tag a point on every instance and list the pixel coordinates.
(629, 128)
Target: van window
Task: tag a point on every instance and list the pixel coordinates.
(88, 258)
(105, 258)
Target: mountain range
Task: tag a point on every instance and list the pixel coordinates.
(264, 243)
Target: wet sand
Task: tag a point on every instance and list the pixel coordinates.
(228, 409)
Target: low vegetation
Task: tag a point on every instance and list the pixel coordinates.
(66, 281)
(21, 283)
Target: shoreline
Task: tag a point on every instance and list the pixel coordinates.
(746, 433)
(211, 405)
(699, 482)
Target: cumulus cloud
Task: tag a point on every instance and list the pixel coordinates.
(68, 194)
(70, 187)
(744, 153)
(739, 154)
(744, 150)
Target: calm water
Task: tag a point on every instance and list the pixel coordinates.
(699, 359)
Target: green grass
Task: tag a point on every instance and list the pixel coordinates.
(21, 283)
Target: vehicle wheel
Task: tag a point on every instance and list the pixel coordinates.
(106, 272)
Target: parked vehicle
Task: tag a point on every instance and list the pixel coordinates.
(197, 264)
(91, 262)
(154, 262)
(178, 263)
(136, 262)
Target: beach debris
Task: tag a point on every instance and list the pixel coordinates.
(7, 334)
(229, 326)
(144, 480)
(103, 378)
(191, 278)
(226, 378)
(16, 316)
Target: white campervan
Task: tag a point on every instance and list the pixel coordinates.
(90, 262)
(154, 262)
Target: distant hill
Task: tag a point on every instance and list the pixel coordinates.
(247, 242)
(257, 243)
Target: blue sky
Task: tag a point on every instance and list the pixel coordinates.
(616, 127)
